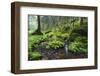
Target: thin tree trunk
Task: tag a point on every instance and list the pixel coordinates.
(81, 21)
(39, 27)
(38, 31)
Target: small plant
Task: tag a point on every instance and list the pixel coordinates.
(34, 55)
(64, 36)
(33, 41)
(45, 37)
(79, 45)
(36, 42)
(55, 44)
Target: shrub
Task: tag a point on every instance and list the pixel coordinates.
(79, 45)
(45, 37)
(33, 41)
(82, 39)
(34, 55)
(36, 40)
(54, 44)
(64, 36)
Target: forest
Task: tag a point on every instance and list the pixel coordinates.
(57, 37)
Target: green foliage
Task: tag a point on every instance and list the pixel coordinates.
(54, 44)
(81, 39)
(56, 30)
(64, 36)
(79, 45)
(54, 39)
(33, 41)
(34, 55)
(54, 33)
(44, 37)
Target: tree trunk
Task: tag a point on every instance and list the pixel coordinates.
(39, 27)
(38, 31)
(81, 21)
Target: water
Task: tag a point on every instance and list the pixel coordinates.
(66, 48)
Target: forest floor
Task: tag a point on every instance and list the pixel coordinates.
(51, 54)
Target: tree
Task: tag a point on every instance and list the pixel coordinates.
(38, 31)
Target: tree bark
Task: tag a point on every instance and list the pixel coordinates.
(39, 27)
(81, 21)
(38, 31)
